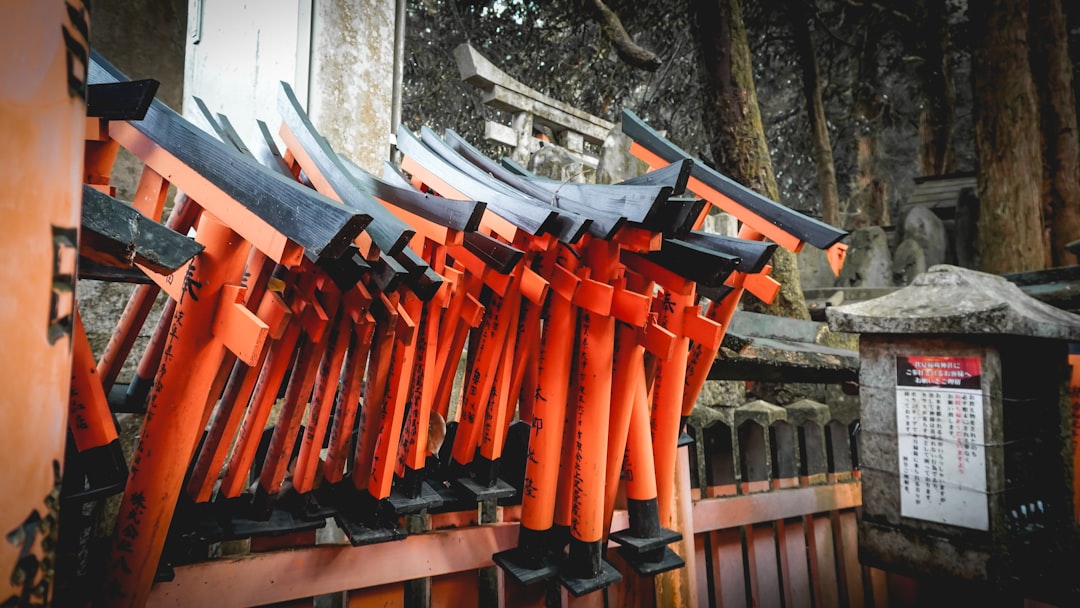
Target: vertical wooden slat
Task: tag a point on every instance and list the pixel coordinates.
(793, 548)
(847, 552)
(728, 576)
(879, 587)
(633, 591)
(703, 568)
(383, 596)
(457, 589)
(903, 591)
(764, 575)
(525, 596)
(823, 561)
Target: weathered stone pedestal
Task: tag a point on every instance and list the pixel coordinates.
(965, 448)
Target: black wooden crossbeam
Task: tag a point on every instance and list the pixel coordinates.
(321, 226)
(706, 267)
(492, 252)
(530, 218)
(120, 100)
(568, 226)
(633, 203)
(387, 232)
(817, 233)
(116, 234)
(752, 255)
(456, 214)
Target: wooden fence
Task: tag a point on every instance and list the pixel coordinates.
(769, 498)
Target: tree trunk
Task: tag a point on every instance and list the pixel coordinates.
(1006, 139)
(938, 116)
(733, 121)
(867, 193)
(1052, 72)
(819, 129)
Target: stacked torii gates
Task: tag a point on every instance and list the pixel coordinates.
(304, 366)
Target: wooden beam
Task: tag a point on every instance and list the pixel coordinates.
(115, 234)
(266, 578)
(731, 512)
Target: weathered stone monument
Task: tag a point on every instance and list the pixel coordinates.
(965, 446)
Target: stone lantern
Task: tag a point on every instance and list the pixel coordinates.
(965, 450)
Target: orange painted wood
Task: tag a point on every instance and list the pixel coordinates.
(699, 188)
(628, 378)
(322, 401)
(525, 596)
(189, 366)
(150, 194)
(791, 535)
(297, 394)
(590, 397)
(375, 387)
(762, 285)
(822, 560)
(237, 327)
(702, 567)
(846, 527)
(480, 377)
(1074, 404)
(393, 407)
(348, 401)
(224, 424)
(701, 358)
(383, 596)
(879, 587)
(89, 418)
(499, 408)
(125, 333)
(667, 403)
(732, 512)
(464, 313)
(764, 574)
(423, 383)
(549, 407)
(235, 477)
(729, 578)
(836, 256)
(181, 218)
(254, 580)
(249, 225)
(457, 589)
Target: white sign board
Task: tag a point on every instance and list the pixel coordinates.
(941, 440)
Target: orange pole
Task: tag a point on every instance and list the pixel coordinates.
(422, 389)
(171, 430)
(393, 408)
(322, 401)
(143, 380)
(89, 418)
(181, 218)
(371, 415)
(629, 373)
(230, 412)
(281, 353)
(550, 393)
(348, 402)
(590, 407)
(481, 376)
(297, 394)
(668, 400)
(43, 110)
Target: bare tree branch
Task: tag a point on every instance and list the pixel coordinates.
(628, 50)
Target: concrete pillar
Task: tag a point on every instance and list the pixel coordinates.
(338, 55)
